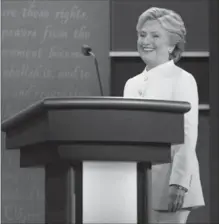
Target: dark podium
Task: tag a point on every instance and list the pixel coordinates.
(61, 133)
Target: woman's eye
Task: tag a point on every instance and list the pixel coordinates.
(155, 36)
(141, 34)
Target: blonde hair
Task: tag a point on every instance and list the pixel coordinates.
(171, 22)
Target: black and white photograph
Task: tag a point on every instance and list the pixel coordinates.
(109, 112)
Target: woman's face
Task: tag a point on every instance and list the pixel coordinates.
(153, 43)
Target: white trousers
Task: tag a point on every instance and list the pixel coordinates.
(170, 217)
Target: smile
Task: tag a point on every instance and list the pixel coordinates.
(148, 49)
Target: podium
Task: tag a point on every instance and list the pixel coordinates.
(60, 133)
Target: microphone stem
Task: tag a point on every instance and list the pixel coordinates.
(98, 73)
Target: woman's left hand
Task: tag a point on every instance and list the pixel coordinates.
(176, 198)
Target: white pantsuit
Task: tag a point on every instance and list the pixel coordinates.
(169, 82)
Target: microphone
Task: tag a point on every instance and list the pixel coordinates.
(87, 51)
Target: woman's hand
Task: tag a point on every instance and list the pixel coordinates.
(176, 198)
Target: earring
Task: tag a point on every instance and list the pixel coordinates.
(170, 51)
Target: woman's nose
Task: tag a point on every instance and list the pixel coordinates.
(147, 39)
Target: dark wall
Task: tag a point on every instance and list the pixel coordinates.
(125, 14)
(214, 112)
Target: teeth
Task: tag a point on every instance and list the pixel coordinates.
(148, 49)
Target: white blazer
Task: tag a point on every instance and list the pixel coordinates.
(169, 82)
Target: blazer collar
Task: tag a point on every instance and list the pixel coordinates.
(161, 69)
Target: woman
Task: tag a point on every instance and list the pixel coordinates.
(176, 186)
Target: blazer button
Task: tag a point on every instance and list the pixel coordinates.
(140, 92)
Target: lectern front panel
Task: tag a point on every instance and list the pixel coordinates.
(116, 126)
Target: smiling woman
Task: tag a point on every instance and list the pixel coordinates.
(153, 43)
(176, 186)
(162, 33)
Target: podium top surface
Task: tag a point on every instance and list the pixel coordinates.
(95, 103)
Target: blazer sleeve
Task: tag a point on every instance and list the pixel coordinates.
(184, 155)
(127, 92)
